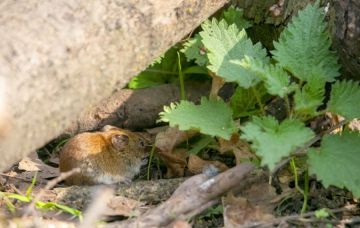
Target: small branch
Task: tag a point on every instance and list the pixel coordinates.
(193, 194)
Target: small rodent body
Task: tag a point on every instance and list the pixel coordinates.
(106, 157)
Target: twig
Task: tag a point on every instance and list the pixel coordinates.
(15, 177)
(300, 150)
(193, 194)
(51, 184)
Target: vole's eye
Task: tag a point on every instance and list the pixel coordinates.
(119, 141)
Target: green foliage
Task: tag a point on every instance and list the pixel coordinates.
(194, 50)
(210, 117)
(345, 98)
(277, 81)
(163, 70)
(322, 213)
(235, 16)
(337, 161)
(303, 47)
(203, 142)
(27, 198)
(226, 44)
(244, 103)
(212, 211)
(273, 140)
(302, 64)
(309, 98)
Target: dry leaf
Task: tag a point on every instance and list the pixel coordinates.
(354, 125)
(238, 211)
(240, 148)
(196, 165)
(32, 164)
(175, 162)
(171, 137)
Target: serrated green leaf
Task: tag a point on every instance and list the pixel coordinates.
(309, 98)
(158, 73)
(277, 81)
(211, 117)
(337, 161)
(243, 102)
(344, 99)
(303, 47)
(194, 50)
(273, 141)
(236, 16)
(225, 44)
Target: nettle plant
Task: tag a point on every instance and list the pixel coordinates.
(297, 71)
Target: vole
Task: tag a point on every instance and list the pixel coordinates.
(108, 156)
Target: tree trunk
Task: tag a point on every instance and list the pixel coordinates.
(58, 57)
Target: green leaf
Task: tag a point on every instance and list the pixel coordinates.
(158, 73)
(272, 140)
(277, 81)
(210, 117)
(225, 44)
(337, 161)
(149, 78)
(194, 50)
(309, 98)
(236, 16)
(203, 142)
(344, 99)
(304, 46)
(243, 102)
(322, 213)
(195, 70)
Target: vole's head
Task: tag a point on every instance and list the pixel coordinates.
(126, 143)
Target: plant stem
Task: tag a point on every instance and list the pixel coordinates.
(150, 161)
(306, 191)
(288, 108)
(181, 79)
(293, 167)
(256, 94)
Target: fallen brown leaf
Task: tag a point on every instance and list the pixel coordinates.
(196, 165)
(171, 137)
(175, 162)
(238, 211)
(240, 148)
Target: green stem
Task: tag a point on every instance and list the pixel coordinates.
(181, 79)
(304, 193)
(256, 94)
(288, 108)
(150, 161)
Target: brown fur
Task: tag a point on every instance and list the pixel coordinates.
(98, 158)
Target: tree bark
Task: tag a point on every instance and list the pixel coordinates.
(58, 57)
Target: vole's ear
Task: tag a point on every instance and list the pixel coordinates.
(108, 128)
(119, 141)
